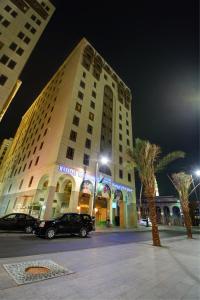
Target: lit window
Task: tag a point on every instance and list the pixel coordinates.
(78, 107)
(91, 116)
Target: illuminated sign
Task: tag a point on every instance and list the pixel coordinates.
(81, 174)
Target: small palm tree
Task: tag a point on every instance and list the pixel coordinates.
(145, 157)
(182, 183)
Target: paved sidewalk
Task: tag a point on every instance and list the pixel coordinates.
(136, 271)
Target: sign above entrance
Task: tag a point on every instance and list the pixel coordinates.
(75, 173)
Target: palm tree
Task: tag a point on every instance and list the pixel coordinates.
(145, 157)
(182, 183)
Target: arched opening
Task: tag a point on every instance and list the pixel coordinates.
(102, 203)
(85, 194)
(64, 195)
(176, 215)
(158, 215)
(118, 197)
(37, 207)
(166, 215)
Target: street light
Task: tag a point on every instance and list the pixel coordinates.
(103, 160)
(197, 172)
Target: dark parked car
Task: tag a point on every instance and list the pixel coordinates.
(18, 221)
(69, 223)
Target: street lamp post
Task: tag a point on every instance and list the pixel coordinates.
(103, 160)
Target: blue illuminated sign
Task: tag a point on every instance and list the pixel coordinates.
(76, 173)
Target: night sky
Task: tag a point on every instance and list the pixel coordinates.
(152, 46)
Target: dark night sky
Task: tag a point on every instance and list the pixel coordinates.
(152, 45)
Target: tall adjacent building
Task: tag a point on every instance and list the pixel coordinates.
(4, 148)
(55, 162)
(21, 25)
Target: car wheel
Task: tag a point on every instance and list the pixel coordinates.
(50, 233)
(28, 229)
(83, 232)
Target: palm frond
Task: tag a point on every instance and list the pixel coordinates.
(163, 162)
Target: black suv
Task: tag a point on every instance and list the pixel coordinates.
(18, 221)
(71, 223)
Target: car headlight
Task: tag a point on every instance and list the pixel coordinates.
(42, 224)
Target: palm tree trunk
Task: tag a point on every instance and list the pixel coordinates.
(187, 219)
(153, 218)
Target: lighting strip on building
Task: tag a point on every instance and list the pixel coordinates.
(80, 174)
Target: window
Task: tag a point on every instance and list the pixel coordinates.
(120, 174)
(38, 22)
(120, 137)
(129, 177)
(9, 188)
(14, 14)
(127, 131)
(128, 142)
(30, 164)
(21, 35)
(92, 104)
(126, 114)
(105, 77)
(70, 153)
(120, 148)
(76, 120)
(82, 84)
(95, 84)
(127, 123)
(41, 145)
(20, 51)
(91, 116)
(80, 95)
(120, 160)
(94, 94)
(120, 108)
(88, 143)
(13, 46)
(33, 17)
(45, 132)
(33, 30)
(36, 162)
(113, 85)
(27, 25)
(34, 150)
(30, 182)
(89, 129)
(120, 116)
(4, 59)
(49, 120)
(21, 184)
(73, 135)
(78, 107)
(3, 79)
(120, 126)
(84, 74)
(27, 40)
(24, 167)
(12, 64)
(7, 8)
(86, 159)
(5, 23)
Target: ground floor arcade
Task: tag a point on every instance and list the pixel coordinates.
(66, 190)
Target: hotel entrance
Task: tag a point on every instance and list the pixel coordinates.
(85, 194)
(102, 204)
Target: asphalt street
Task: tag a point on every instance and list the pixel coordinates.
(20, 244)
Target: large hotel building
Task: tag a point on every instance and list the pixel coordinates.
(54, 164)
(21, 25)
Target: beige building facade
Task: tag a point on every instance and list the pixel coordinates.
(21, 25)
(54, 164)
